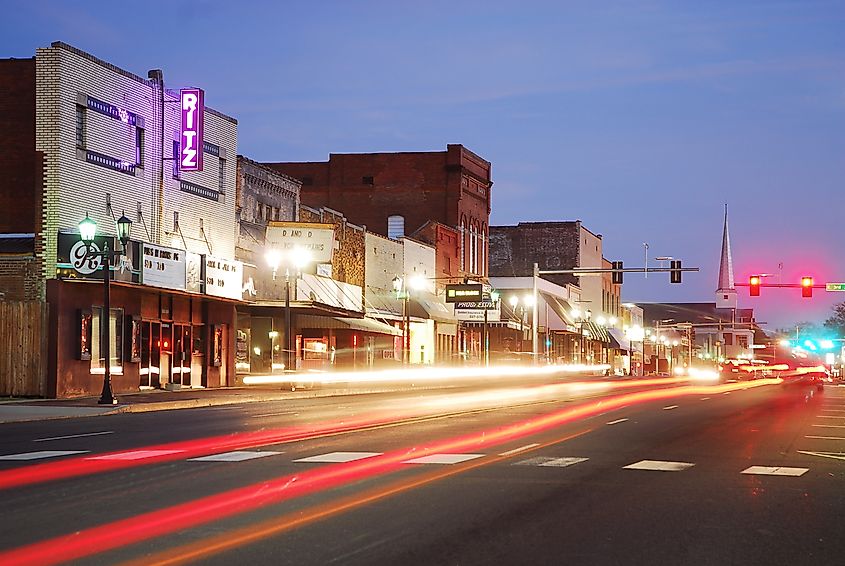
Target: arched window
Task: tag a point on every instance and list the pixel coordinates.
(395, 227)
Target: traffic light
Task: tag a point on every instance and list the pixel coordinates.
(754, 285)
(675, 273)
(616, 276)
(806, 286)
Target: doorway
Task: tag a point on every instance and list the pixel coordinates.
(150, 355)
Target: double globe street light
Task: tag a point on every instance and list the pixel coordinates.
(297, 258)
(87, 231)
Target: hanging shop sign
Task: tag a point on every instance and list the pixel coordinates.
(163, 267)
(316, 239)
(75, 260)
(465, 292)
(223, 277)
(191, 147)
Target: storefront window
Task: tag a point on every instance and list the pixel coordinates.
(199, 343)
(115, 341)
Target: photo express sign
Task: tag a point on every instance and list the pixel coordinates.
(192, 104)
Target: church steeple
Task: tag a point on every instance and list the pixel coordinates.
(725, 292)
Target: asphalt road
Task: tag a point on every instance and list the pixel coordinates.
(541, 475)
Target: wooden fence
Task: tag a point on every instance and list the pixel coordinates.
(23, 348)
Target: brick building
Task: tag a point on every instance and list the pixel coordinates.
(83, 136)
(394, 194)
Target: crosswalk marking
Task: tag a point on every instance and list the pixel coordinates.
(659, 465)
(520, 449)
(135, 455)
(547, 462)
(443, 459)
(775, 471)
(41, 454)
(236, 456)
(337, 457)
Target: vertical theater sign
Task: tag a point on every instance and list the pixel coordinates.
(192, 104)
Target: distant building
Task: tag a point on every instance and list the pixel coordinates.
(395, 194)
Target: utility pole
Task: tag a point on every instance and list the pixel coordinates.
(534, 310)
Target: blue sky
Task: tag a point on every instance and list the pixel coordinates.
(640, 118)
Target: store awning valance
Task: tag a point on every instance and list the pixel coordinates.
(362, 324)
(618, 340)
(596, 331)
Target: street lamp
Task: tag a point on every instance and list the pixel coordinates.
(402, 293)
(581, 319)
(87, 231)
(296, 258)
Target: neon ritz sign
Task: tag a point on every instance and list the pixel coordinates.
(190, 158)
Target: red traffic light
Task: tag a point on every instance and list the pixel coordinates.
(806, 286)
(754, 285)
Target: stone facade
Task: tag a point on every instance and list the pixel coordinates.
(348, 257)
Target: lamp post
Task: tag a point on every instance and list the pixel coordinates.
(87, 231)
(581, 319)
(296, 258)
(402, 293)
(485, 340)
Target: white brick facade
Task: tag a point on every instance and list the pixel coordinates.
(76, 180)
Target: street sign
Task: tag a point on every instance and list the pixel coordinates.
(464, 292)
(834, 287)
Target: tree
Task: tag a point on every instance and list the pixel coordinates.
(837, 321)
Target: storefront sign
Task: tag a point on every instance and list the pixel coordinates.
(316, 239)
(465, 292)
(163, 267)
(193, 110)
(76, 260)
(223, 277)
(477, 315)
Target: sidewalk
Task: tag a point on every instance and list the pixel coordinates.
(21, 410)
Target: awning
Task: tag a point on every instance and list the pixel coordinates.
(562, 310)
(618, 340)
(434, 308)
(597, 331)
(362, 324)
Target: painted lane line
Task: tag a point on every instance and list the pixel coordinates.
(834, 455)
(829, 417)
(829, 425)
(73, 436)
(236, 456)
(41, 454)
(658, 466)
(775, 471)
(135, 455)
(338, 457)
(520, 449)
(726, 393)
(670, 407)
(705, 398)
(443, 459)
(545, 461)
(617, 421)
(273, 414)
(826, 437)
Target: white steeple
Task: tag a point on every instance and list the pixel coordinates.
(726, 297)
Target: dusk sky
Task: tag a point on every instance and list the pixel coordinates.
(639, 118)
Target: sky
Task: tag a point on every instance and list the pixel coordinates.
(642, 119)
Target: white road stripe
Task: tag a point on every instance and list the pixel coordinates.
(617, 421)
(775, 471)
(73, 436)
(726, 393)
(834, 455)
(443, 459)
(563, 462)
(337, 457)
(705, 398)
(826, 437)
(829, 417)
(829, 425)
(236, 456)
(520, 449)
(670, 407)
(135, 455)
(264, 415)
(659, 466)
(41, 454)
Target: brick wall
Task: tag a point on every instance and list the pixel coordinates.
(553, 245)
(20, 278)
(451, 187)
(446, 242)
(19, 176)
